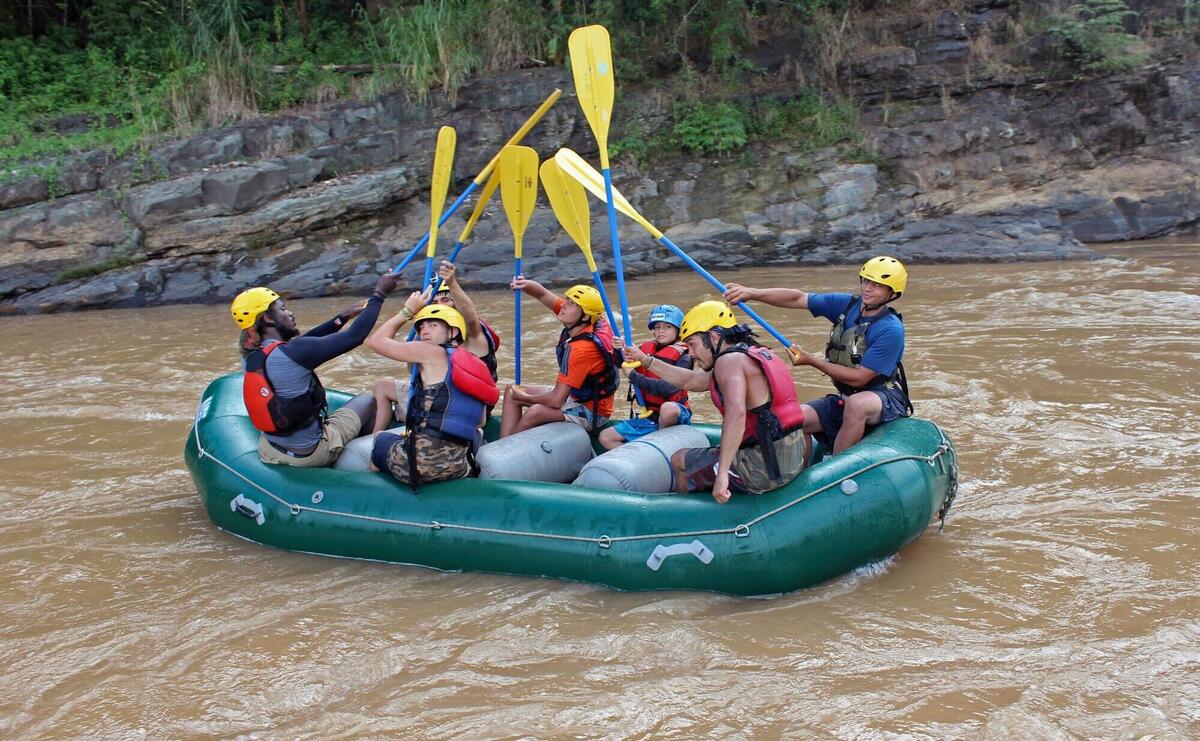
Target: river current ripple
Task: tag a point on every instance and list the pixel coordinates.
(1061, 601)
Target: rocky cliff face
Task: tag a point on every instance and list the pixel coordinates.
(968, 168)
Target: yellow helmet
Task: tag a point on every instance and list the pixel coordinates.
(706, 315)
(442, 312)
(887, 271)
(250, 303)
(587, 298)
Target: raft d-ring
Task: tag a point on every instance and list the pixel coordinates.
(546, 447)
(604, 541)
(294, 509)
(742, 531)
(435, 525)
(317, 497)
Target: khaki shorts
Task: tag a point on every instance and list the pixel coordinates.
(749, 472)
(340, 428)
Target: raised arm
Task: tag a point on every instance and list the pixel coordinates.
(532, 288)
(788, 298)
(462, 301)
(383, 340)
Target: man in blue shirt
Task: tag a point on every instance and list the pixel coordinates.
(863, 355)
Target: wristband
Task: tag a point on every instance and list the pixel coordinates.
(406, 312)
(650, 362)
(378, 294)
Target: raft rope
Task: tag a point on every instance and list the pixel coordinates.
(606, 541)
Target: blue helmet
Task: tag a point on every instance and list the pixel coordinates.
(668, 313)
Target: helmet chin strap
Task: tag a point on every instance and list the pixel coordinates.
(707, 339)
(873, 307)
(583, 319)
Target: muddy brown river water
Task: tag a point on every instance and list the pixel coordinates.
(1061, 601)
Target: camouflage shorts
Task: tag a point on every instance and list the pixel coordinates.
(437, 459)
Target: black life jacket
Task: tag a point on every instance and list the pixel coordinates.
(276, 414)
(493, 343)
(847, 343)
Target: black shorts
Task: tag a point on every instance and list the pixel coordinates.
(830, 408)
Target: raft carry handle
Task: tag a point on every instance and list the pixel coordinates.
(663, 552)
(248, 508)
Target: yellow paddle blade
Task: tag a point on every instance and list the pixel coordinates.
(570, 204)
(484, 196)
(579, 170)
(443, 167)
(518, 188)
(591, 66)
(516, 138)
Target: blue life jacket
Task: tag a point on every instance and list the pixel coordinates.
(459, 402)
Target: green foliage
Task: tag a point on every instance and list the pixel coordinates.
(1094, 35)
(704, 128)
(426, 45)
(87, 271)
(722, 127)
(140, 69)
(808, 117)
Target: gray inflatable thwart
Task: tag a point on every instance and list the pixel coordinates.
(553, 452)
(642, 465)
(356, 456)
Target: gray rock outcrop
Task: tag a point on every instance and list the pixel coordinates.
(962, 167)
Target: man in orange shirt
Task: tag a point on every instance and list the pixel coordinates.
(587, 370)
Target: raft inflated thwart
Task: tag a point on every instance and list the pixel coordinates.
(642, 465)
(553, 452)
(816, 527)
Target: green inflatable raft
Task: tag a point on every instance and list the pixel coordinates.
(839, 514)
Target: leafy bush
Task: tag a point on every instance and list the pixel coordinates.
(704, 128)
(1095, 38)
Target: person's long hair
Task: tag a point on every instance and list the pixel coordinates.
(741, 334)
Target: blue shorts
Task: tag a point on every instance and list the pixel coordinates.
(632, 429)
(829, 409)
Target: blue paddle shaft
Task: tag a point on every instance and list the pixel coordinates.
(617, 264)
(721, 287)
(612, 323)
(438, 284)
(416, 250)
(517, 322)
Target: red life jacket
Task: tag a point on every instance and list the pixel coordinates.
(781, 395)
(270, 412)
(668, 354)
